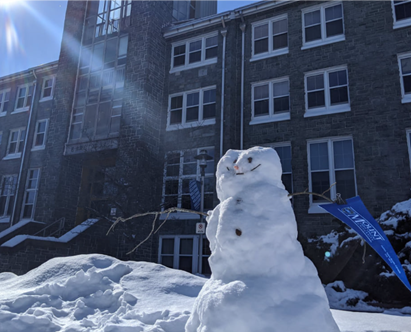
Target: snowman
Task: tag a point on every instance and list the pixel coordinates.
(261, 280)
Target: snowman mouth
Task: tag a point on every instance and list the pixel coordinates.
(242, 173)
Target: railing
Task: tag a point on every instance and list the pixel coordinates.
(59, 224)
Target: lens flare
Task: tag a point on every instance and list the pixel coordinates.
(327, 254)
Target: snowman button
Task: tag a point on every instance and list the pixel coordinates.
(238, 232)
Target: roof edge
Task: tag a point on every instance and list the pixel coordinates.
(29, 71)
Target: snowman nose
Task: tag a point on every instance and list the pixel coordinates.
(236, 167)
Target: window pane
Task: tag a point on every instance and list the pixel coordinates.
(403, 11)
(338, 78)
(176, 117)
(313, 33)
(406, 66)
(261, 92)
(194, 57)
(407, 84)
(211, 53)
(287, 181)
(195, 46)
(339, 95)
(172, 170)
(261, 46)
(173, 158)
(320, 183)
(280, 41)
(167, 246)
(280, 26)
(186, 246)
(27, 211)
(343, 154)
(312, 18)
(177, 102)
(261, 31)
(192, 114)
(315, 82)
(103, 119)
(284, 153)
(212, 41)
(111, 50)
(189, 169)
(209, 96)
(186, 264)
(122, 50)
(97, 61)
(261, 107)
(332, 13)
(280, 88)
(319, 156)
(171, 186)
(209, 111)
(316, 99)
(281, 104)
(345, 183)
(170, 201)
(39, 139)
(206, 270)
(193, 99)
(167, 261)
(334, 28)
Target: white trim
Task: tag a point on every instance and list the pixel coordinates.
(328, 108)
(324, 40)
(43, 146)
(27, 190)
(3, 93)
(405, 97)
(3, 178)
(15, 154)
(48, 98)
(25, 107)
(200, 63)
(272, 116)
(270, 53)
(314, 208)
(399, 24)
(188, 124)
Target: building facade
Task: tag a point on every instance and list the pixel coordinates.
(139, 91)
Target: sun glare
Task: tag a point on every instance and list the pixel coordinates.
(8, 3)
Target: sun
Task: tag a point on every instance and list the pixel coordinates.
(8, 3)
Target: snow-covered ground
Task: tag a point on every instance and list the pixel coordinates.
(100, 293)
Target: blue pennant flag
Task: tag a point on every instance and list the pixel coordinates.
(195, 194)
(356, 216)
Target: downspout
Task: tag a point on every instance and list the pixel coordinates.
(242, 27)
(23, 154)
(224, 34)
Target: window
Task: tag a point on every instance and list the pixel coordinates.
(40, 134)
(24, 97)
(194, 53)
(284, 152)
(408, 132)
(270, 38)
(271, 101)
(181, 252)
(326, 91)
(192, 108)
(30, 193)
(16, 143)
(47, 89)
(331, 161)
(4, 101)
(404, 61)
(402, 13)
(183, 10)
(323, 24)
(180, 168)
(7, 194)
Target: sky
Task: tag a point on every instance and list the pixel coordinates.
(31, 31)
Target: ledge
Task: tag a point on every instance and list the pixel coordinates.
(327, 41)
(194, 124)
(270, 119)
(195, 65)
(402, 24)
(11, 157)
(406, 99)
(324, 111)
(269, 54)
(72, 148)
(50, 98)
(21, 110)
(316, 209)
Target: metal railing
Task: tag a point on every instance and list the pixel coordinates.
(59, 225)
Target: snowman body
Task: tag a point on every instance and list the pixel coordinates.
(261, 280)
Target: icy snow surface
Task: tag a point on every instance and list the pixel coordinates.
(261, 280)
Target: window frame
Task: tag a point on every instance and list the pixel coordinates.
(270, 53)
(408, 134)
(24, 107)
(202, 62)
(43, 146)
(271, 117)
(328, 108)
(8, 196)
(324, 40)
(3, 100)
(47, 98)
(405, 97)
(15, 154)
(200, 121)
(401, 23)
(314, 207)
(27, 190)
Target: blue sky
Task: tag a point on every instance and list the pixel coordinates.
(31, 31)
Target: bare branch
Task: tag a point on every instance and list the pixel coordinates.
(149, 235)
(313, 193)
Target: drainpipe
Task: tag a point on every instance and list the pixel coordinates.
(23, 154)
(224, 34)
(242, 27)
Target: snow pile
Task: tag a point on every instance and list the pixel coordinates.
(97, 293)
(261, 280)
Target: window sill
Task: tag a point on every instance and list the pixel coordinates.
(190, 125)
(45, 99)
(38, 148)
(194, 65)
(21, 110)
(12, 156)
(180, 216)
(3, 114)
(316, 209)
(324, 111)
(406, 99)
(402, 24)
(269, 54)
(323, 42)
(270, 119)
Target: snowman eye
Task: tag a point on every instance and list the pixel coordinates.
(250, 159)
(228, 168)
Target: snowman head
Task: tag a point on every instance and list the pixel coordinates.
(258, 164)
(226, 174)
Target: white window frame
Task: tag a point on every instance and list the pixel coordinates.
(27, 190)
(408, 134)
(328, 108)
(315, 207)
(187, 42)
(180, 177)
(8, 196)
(24, 107)
(401, 23)
(47, 98)
(271, 117)
(3, 100)
(324, 40)
(14, 154)
(197, 258)
(1, 136)
(184, 123)
(270, 52)
(43, 146)
(405, 97)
